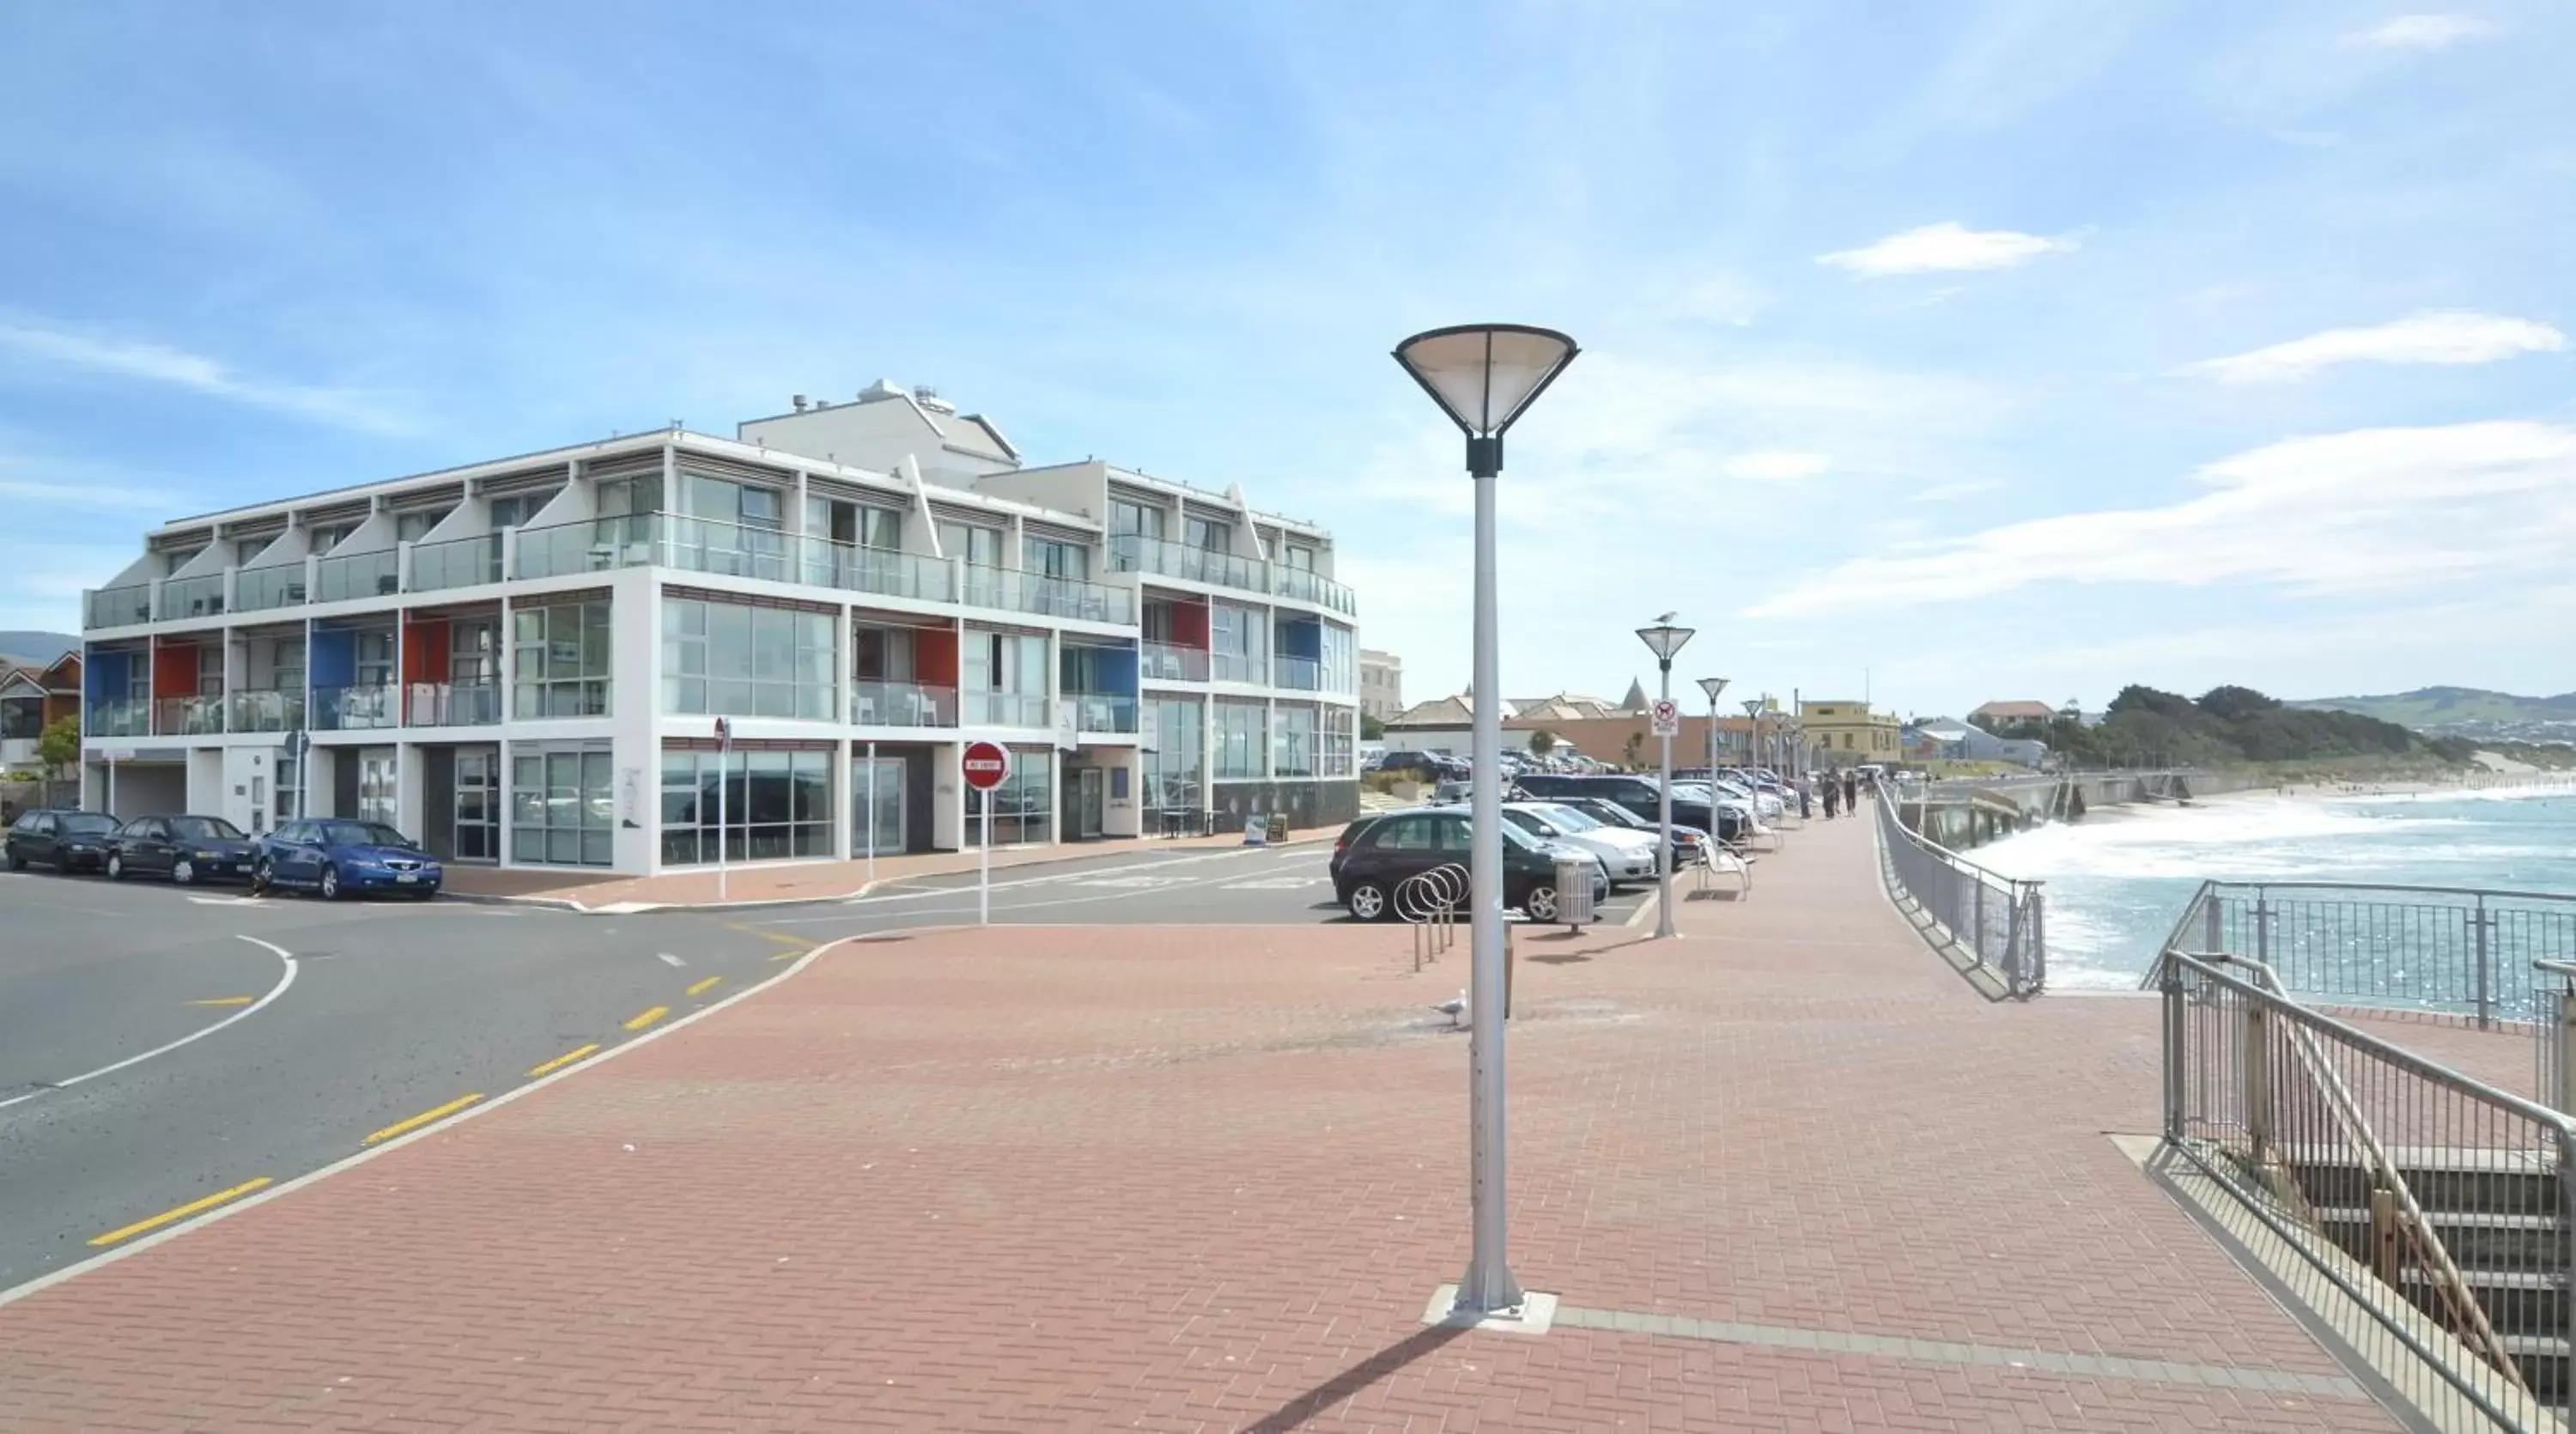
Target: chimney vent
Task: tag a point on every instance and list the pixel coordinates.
(799, 401)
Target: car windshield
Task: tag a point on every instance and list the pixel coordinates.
(204, 829)
(362, 834)
(1514, 836)
(1570, 819)
(87, 824)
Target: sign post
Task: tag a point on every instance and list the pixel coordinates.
(985, 766)
(724, 774)
(872, 813)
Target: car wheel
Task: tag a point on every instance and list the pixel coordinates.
(1540, 904)
(1368, 902)
(330, 883)
(116, 866)
(16, 862)
(183, 871)
(262, 875)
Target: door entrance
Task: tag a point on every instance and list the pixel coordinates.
(876, 814)
(377, 785)
(478, 804)
(1091, 785)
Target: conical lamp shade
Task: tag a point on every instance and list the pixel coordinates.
(1485, 374)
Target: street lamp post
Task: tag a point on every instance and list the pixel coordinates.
(1485, 376)
(1715, 687)
(1663, 640)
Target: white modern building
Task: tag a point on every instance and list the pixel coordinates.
(1381, 685)
(522, 661)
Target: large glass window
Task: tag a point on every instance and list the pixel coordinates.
(1140, 520)
(1023, 806)
(560, 660)
(1056, 559)
(1336, 741)
(1209, 534)
(1293, 742)
(980, 546)
(1177, 765)
(413, 526)
(627, 506)
(736, 660)
(882, 654)
(1240, 739)
(1003, 676)
(1238, 643)
(563, 809)
(1341, 659)
(724, 501)
(775, 805)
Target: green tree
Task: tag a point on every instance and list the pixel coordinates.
(2234, 704)
(1636, 743)
(59, 745)
(1371, 729)
(1542, 741)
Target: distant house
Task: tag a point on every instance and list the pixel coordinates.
(34, 693)
(1997, 714)
(1947, 737)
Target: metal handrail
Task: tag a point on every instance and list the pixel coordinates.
(1930, 875)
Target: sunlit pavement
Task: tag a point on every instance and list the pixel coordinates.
(1182, 1177)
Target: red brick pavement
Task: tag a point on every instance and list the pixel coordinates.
(1171, 1179)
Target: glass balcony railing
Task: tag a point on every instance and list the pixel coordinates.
(703, 545)
(268, 710)
(118, 717)
(1303, 673)
(193, 597)
(198, 716)
(276, 585)
(1305, 585)
(1169, 662)
(455, 563)
(901, 704)
(473, 702)
(1103, 711)
(876, 570)
(120, 607)
(356, 708)
(1239, 667)
(1133, 553)
(1017, 591)
(591, 545)
(357, 575)
(1005, 709)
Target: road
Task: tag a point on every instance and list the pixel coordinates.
(166, 1050)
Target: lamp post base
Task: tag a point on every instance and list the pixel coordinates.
(1533, 1315)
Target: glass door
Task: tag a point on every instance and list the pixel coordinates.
(1093, 782)
(876, 811)
(376, 786)
(478, 804)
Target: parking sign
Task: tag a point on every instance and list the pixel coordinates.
(1667, 716)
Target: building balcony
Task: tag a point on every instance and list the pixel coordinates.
(1133, 553)
(268, 710)
(192, 597)
(591, 545)
(356, 708)
(455, 563)
(875, 570)
(1305, 585)
(118, 717)
(198, 716)
(875, 703)
(473, 702)
(1013, 590)
(120, 607)
(1238, 667)
(357, 575)
(1170, 662)
(1303, 674)
(275, 585)
(1103, 711)
(1006, 709)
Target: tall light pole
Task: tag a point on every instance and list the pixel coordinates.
(1715, 687)
(1663, 640)
(1484, 376)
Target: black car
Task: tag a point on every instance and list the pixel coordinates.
(1375, 854)
(185, 849)
(61, 838)
(1638, 795)
(1422, 766)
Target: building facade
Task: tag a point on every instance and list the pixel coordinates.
(1381, 685)
(34, 696)
(1849, 734)
(522, 662)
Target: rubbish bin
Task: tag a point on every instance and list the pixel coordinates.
(1574, 891)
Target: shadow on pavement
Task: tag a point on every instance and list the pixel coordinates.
(1351, 1381)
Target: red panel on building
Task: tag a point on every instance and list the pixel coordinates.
(425, 643)
(1190, 625)
(934, 656)
(174, 669)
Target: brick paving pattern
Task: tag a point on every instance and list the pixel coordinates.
(1185, 1179)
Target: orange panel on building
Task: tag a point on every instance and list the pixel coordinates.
(425, 642)
(934, 656)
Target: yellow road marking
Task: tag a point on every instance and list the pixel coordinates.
(791, 955)
(424, 1118)
(182, 1213)
(225, 1001)
(567, 1058)
(700, 988)
(646, 1017)
(781, 937)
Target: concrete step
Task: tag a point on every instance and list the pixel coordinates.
(2474, 1237)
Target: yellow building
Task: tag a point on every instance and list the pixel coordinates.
(1846, 734)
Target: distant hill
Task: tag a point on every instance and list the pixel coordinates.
(28, 646)
(2464, 711)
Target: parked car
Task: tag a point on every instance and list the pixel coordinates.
(1638, 795)
(184, 849)
(1421, 766)
(1690, 845)
(1625, 855)
(1375, 854)
(60, 837)
(335, 857)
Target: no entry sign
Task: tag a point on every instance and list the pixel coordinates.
(986, 765)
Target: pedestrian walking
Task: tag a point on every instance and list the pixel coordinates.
(1832, 794)
(1805, 787)
(1851, 793)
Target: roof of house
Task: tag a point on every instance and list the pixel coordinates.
(2016, 711)
(1438, 712)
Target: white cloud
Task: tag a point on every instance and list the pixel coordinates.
(104, 497)
(161, 364)
(1775, 467)
(2368, 511)
(1952, 492)
(2439, 336)
(2422, 32)
(1941, 248)
(1722, 299)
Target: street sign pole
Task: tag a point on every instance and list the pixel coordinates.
(872, 814)
(724, 775)
(985, 766)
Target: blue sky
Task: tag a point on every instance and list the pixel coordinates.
(2007, 350)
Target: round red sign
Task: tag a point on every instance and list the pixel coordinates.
(985, 764)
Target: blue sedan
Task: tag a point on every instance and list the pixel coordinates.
(337, 858)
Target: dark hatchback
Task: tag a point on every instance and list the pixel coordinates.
(185, 849)
(61, 838)
(334, 858)
(1376, 853)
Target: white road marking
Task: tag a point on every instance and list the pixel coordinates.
(1145, 883)
(1064, 879)
(670, 960)
(229, 900)
(1275, 883)
(245, 1013)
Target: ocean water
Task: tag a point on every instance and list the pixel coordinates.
(2118, 883)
